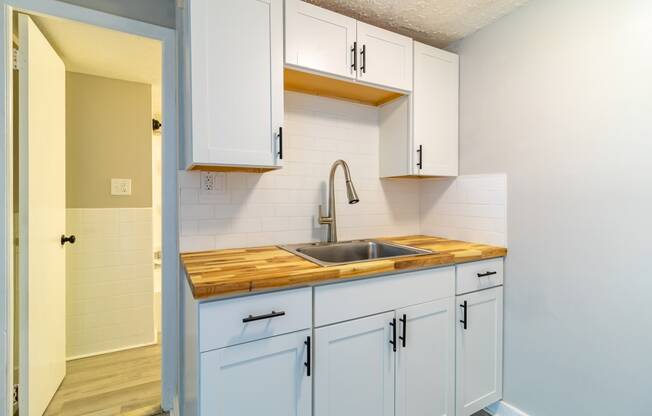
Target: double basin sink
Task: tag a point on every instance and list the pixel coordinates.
(333, 254)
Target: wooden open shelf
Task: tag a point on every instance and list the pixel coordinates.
(313, 84)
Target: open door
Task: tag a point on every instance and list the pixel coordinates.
(42, 203)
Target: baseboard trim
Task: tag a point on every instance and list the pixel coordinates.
(93, 354)
(502, 408)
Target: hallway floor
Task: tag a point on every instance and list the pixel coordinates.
(120, 383)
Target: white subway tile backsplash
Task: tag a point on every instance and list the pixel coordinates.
(109, 280)
(281, 207)
(469, 207)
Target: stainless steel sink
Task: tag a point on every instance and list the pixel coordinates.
(331, 254)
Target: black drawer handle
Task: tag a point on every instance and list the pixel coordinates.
(486, 274)
(280, 143)
(308, 363)
(393, 340)
(363, 54)
(403, 338)
(354, 51)
(252, 318)
(463, 321)
(420, 152)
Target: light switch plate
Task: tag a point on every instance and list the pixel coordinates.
(120, 187)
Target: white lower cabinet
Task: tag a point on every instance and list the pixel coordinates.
(354, 368)
(265, 377)
(405, 344)
(479, 350)
(400, 363)
(425, 366)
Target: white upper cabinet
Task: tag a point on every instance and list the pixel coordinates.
(236, 83)
(435, 100)
(319, 40)
(479, 350)
(419, 133)
(385, 58)
(331, 44)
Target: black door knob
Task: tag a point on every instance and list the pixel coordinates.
(71, 239)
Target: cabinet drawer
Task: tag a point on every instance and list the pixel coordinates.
(350, 300)
(479, 275)
(234, 321)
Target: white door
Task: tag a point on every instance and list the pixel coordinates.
(319, 39)
(435, 117)
(354, 367)
(425, 368)
(265, 377)
(237, 82)
(42, 204)
(385, 58)
(479, 350)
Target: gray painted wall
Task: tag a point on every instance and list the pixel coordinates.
(158, 12)
(559, 95)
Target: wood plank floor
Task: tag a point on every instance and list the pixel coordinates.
(119, 383)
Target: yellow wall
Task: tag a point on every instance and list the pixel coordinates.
(108, 135)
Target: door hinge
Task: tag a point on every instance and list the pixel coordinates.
(15, 397)
(14, 59)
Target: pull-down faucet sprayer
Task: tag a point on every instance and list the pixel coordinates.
(351, 194)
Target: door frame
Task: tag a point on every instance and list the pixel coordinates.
(170, 160)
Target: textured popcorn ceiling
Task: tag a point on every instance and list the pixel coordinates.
(435, 22)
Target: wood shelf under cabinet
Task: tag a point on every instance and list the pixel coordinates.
(313, 84)
(244, 169)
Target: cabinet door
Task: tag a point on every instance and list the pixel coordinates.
(425, 368)
(237, 81)
(435, 110)
(385, 58)
(264, 377)
(319, 39)
(479, 350)
(354, 368)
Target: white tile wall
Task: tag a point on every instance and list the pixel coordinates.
(281, 206)
(110, 291)
(469, 207)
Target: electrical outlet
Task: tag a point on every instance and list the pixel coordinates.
(212, 182)
(120, 187)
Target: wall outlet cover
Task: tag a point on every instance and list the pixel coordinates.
(120, 187)
(213, 182)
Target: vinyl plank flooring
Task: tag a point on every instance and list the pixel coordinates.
(119, 383)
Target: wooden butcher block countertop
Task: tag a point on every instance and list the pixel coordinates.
(255, 269)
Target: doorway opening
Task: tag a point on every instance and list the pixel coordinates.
(87, 213)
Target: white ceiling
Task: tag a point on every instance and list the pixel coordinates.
(102, 52)
(435, 22)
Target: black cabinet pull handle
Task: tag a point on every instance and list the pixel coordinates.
(393, 340)
(420, 152)
(308, 362)
(486, 274)
(70, 239)
(354, 50)
(252, 318)
(404, 336)
(463, 306)
(363, 54)
(280, 142)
